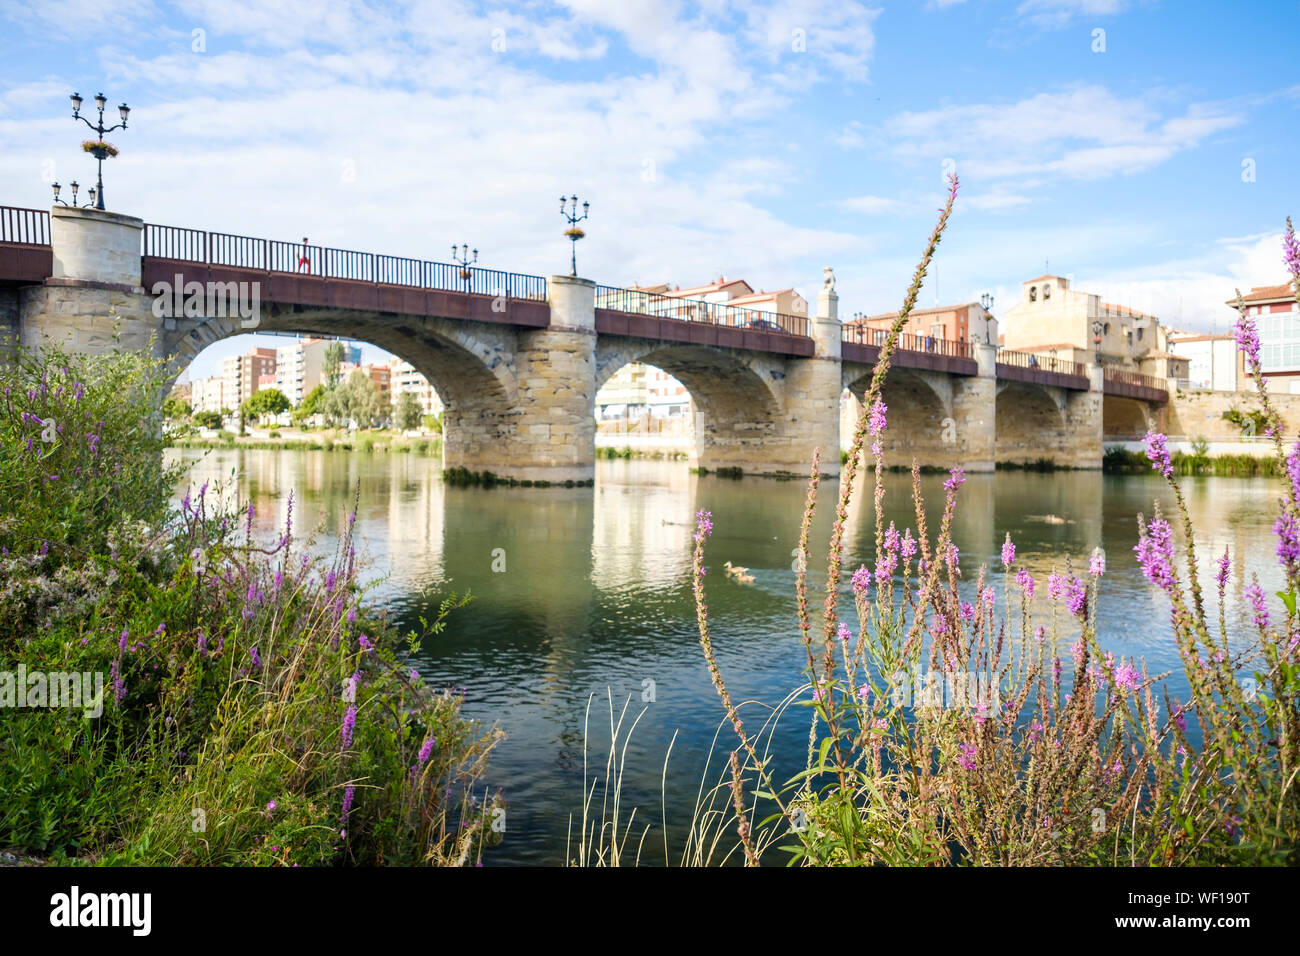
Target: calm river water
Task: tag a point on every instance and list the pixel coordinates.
(595, 598)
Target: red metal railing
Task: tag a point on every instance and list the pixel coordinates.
(30, 227)
(908, 342)
(1134, 378)
(270, 255)
(1041, 362)
(662, 306)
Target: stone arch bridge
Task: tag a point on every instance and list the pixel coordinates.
(518, 359)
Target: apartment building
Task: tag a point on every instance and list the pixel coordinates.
(404, 378)
(299, 367)
(1277, 320)
(243, 374)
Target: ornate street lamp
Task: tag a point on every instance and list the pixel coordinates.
(462, 258)
(986, 300)
(73, 185)
(573, 232)
(1096, 337)
(97, 147)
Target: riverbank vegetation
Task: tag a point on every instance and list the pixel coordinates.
(254, 710)
(961, 715)
(1121, 461)
(370, 442)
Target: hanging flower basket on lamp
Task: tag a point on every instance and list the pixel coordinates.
(575, 233)
(99, 149)
(465, 273)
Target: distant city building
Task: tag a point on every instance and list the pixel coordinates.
(209, 394)
(404, 378)
(182, 392)
(1213, 361)
(243, 374)
(1277, 320)
(299, 367)
(1054, 320)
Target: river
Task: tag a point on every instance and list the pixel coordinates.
(591, 595)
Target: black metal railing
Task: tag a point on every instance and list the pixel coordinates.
(29, 227)
(907, 341)
(1126, 377)
(640, 302)
(270, 255)
(1045, 363)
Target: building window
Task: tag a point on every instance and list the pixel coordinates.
(1105, 329)
(1139, 333)
(1047, 292)
(1033, 293)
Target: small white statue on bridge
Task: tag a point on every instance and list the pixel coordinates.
(828, 279)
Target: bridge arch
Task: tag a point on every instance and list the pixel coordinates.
(1030, 424)
(470, 366)
(1124, 419)
(921, 423)
(738, 396)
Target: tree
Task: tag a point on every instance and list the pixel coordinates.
(175, 408)
(310, 405)
(266, 401)
(408, 413)
(331, 362)
(433, 423)
(357, 399)
(208, 419)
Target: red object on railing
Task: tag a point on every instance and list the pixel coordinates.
(29, 227)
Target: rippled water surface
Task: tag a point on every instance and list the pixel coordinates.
(595, 597)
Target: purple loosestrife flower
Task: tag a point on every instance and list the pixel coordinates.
(1008, 552)
(1097, 564)
(844, 633)
(1255, 595)
(1155, 552)
(967, 757)
(1247, 338)
(121, 641)
(703, 525)
(1127, 676)
(1221, 576)
(967, 611)
(861, 581)
(348, 794)
(1026, 582)
(877, 420)
(989, 598)
(956, 481)
(1288, 541)
(349, 725)
(1158, 453)
(366, 644)
(1055, 585)
(426, 749)
(1077, 600)
(907, 549)
(257, 661)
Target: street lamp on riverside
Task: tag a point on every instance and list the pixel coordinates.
(1097, 328)
(73, 185)
(462, 258)
(97, 147)
(573, 232)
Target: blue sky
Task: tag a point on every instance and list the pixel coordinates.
(754, 139)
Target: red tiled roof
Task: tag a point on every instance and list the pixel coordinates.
(1265, 293)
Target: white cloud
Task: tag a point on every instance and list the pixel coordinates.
(1053, 14)
(1081, 133)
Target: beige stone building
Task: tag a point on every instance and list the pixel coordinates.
(404, 378)
(1052, 319)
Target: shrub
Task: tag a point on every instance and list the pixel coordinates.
(255, 712)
